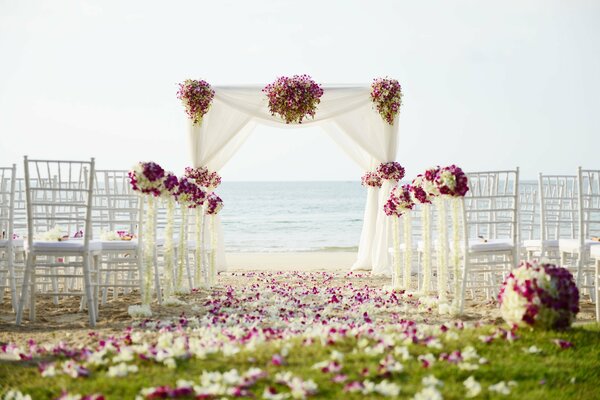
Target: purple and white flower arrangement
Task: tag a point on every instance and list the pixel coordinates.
(452, 181)
(147, 177)
(391, 170)
(539, 295)
(399, 202)
(386, 94)
(295, 98)
(197, 97)
(214, 204)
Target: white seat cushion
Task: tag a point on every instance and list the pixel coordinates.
(572, 245)
(535, 244)
(15, 243)
(119, 245)
(478, 246)
(71, 245)
(595, 252)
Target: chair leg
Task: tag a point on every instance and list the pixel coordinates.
(54, 282)
(597, 288)
(32, 291)
(25, 288)
(96, 280)
(106, 280)
(87, 283)
(12, 279)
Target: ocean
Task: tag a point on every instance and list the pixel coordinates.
(292, 216)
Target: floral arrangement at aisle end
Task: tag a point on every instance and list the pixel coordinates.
(539, 295)
(295, 98)
(392, 171)
(424, 191)
(386, 94)
(400, 203)
(147, 177)
(452, 181)
(371, 179)
(197, 97)
(214, 205)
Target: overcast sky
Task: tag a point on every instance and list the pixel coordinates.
(486, 85)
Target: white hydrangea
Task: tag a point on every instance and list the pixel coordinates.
(121, 370)
(473, 387)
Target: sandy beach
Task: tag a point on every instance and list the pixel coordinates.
(304, 261)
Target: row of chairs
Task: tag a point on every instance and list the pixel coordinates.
(84, 203)
(503, 220)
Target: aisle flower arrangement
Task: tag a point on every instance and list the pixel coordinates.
(214, 205)
(392, 171)
(171, 188)
(148, 178)
(424, 192)
(399, 204)
(371, 179)
(188, 195)
(196, 96)
(539, 295)
(293, 99)
(386, 94)
(452, 183)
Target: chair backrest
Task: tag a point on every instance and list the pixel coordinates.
(559, 208)
(7, 202)
(589, 203)
(491, 205)
(528, 210)
(59, 194)
(115, 204)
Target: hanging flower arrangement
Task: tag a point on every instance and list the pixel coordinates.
(203, 177)
(539, 295)
(147, 177)
(197, 97)
(170, 184)
(418, 193)
(399, 202)
(371, 179)
(392, 171)
(386, 94)
(295, 98)
(452, 181)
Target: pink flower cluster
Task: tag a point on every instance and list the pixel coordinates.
(371, 179)
(203, 177)
(197, 97)
(539, 295)
(400, 201)
(189, 194)
(151, 178)
(391, 171)
(452, 181)
(387, 95)
(295, 98)
(214, 204)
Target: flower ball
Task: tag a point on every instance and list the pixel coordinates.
(539, 295)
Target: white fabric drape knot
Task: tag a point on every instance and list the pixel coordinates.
(345, 113)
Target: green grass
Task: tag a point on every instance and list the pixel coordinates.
(547, 375)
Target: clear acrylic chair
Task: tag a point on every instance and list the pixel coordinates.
(575, 253)
(490, 231)
(558, 212)
(9, 242)
(116, 208)
(59, 194)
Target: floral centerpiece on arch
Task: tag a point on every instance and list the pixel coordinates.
(392, 171)
(295, 98)
(386, 94)
(197, 97)
(371, 179)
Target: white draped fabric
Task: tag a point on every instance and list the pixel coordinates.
(348, 116)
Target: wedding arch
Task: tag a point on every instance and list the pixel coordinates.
(345, 112)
